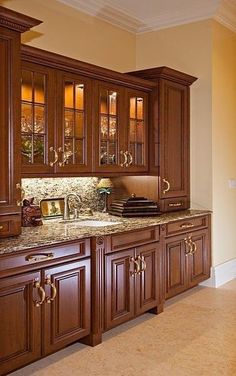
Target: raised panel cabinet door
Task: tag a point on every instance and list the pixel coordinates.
(175, 265)
(147, 280)
(74, 128)
(9, 126)
(199, 262)
(119, 288)
(67, 304)
(136, 130)
(20, 321)
(38, 149)
(109, 128)
(174, 139)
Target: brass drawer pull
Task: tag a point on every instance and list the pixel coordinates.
(168, 186)
(1, 227)
(53, 288)
(175, 204)
(136, 270)
(41, 292)
(3, 202)
(186, 225)
(39, 257)
(143, 262)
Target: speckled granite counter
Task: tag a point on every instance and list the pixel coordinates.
(54, 231)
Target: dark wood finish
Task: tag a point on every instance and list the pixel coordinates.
(11, 25)
(171, 128)
(133, 239)
(147, 286)
(176, 278)
(20, 324)
(50, 139)
(119, 288)
(185, 225)
(199, 264)
(43, 257)
(67, 318)
(188, 256)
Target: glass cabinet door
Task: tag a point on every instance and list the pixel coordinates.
(74, 124)
(137, 131)
(36, 123)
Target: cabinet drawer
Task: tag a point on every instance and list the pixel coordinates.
(174, 204)
(43, 256)
(133, 238)
(10, 225)
(186, 225)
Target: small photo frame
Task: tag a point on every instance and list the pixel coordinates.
(52, 207)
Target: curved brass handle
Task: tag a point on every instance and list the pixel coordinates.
(194, 246)
(142, 261)
(130, 158)
(41, 291)
(56, 156)
(136, 270)
(168, 185)
(175, 204)
(125, 163)
(188, 243)
(187, 225)
(39, 257)
(22, 196)
(53, 288)
(65, 156)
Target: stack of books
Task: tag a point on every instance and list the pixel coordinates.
(134, 207)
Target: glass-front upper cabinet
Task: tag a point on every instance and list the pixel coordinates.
(108, 118)
(137, 130)
(37, 105)
(74, 124)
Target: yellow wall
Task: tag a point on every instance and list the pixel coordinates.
(72, 33)
(188, 48)
(224, 143)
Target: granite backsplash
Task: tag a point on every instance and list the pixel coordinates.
(41, 188)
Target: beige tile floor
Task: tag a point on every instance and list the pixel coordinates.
(196, 335)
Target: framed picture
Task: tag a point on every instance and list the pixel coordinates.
(52, 207)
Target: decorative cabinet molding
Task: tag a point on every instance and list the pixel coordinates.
(11, 25)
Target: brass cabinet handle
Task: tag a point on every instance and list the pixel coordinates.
(22, 195)
(39, 257)
(189, 245)
(1, 227)
(194, 246)
(41, 293)
(143, 262)
(130, 158)
(175, 204)
(168, 185)
(3, 202)
(56, 156)
(186, 225)
(136, 270)
(53, 289)
(125, 155)
(65, 156)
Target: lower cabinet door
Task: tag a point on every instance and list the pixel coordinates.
(175, 265)
(146, 281)
(67, 304)
(199, 262)
(119, 288)
(20, 321)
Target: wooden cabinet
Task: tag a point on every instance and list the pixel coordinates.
(11, 25)
(131, 283)
(43, 310)
(188, 260)
(170, 135)
(75, 124)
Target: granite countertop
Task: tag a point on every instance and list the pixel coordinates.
(55, 231)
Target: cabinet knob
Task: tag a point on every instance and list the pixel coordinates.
(165, 181)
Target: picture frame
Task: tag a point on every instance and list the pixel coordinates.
(52, 208)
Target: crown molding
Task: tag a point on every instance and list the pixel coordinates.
(223, 11)
(226, 14)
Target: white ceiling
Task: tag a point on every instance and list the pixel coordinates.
(139, 16)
